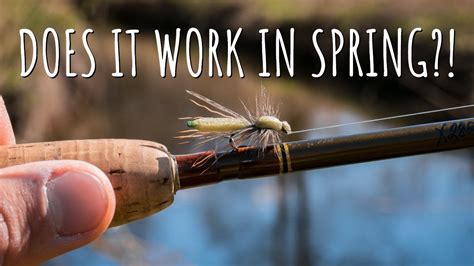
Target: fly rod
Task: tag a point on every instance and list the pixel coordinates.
(145, 176)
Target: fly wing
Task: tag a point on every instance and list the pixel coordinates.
(220, 110)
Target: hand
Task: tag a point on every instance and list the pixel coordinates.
(48, 208)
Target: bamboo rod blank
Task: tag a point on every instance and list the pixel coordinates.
(312, 154)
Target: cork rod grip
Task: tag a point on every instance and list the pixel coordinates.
(141, 172)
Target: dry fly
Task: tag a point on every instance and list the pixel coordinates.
(259, 129)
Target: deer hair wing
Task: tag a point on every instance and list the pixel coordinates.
(219, 109)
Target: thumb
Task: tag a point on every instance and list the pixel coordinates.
(51, 207)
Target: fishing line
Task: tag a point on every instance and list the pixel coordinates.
(382, 119)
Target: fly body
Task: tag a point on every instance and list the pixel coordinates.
(219, 124)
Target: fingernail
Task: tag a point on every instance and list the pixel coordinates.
(77, 202)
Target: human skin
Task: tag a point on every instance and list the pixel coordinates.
(48, 208)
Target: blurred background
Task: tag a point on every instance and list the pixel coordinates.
(415, 210)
